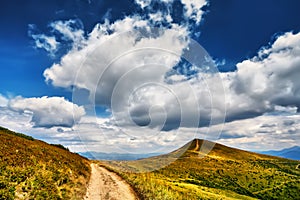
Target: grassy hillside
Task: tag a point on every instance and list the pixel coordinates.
(32, 169)
(225, 173)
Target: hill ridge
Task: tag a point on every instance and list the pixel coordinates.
(33, 169)
(222, 173)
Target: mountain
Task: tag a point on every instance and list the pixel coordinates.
(223, 173)
(32, 169)
(290, 153)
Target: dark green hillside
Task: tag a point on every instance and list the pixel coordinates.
(32, 169)
(225, 173)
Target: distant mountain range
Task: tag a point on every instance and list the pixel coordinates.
(115, 156)
(290, 153)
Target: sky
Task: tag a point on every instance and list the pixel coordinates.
(146, 76)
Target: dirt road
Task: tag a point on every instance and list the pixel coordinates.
(106, 185)
(197, 146)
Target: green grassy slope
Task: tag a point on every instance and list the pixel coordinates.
(225, 173)
(32, 169)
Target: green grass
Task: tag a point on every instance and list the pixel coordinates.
(225, 173)
(32, 169)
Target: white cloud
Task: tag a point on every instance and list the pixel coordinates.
(14, 120)
(126, 72)
(48, 43)
(146, 3)
(143, 3)
(266, 132)
(193, 9)
(160, 17)
(48, 111)
(272, 77)
(102, 48)
(124, 66)
(97, 134)
(20, 122)
(3, 101)
(114, 66)
(249, 91)
(70, 30)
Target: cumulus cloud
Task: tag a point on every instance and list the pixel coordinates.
(266, 132)
(20, 122)
(98, 134)
(3, 101)
(139, 74)
(271, 78)
(128, 67)
(124, 66)
(48, 111)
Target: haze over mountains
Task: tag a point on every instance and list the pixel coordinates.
(290, 153)
(115, 156)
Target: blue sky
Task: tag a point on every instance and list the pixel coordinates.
(40, 38)
(231, 30)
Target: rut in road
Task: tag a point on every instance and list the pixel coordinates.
(106, 185)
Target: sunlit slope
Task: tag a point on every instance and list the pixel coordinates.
(224, 173)
(32, 169)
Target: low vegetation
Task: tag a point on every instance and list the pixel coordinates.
(32, 169)
(225, 173)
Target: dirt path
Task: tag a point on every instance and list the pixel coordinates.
(106, 185)
(197, 146)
